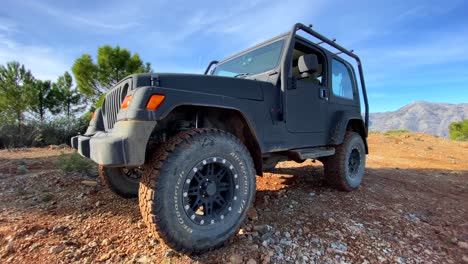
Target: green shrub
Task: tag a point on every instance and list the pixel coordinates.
(459, 130)
(36, 134)
(74, 163)
(47, 197)
(397, 132)
(22, 169)
(60, 130)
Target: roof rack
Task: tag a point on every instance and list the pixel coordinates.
(323, 39)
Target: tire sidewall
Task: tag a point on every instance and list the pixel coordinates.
(355, 142)
(119, 183)
(173, 175)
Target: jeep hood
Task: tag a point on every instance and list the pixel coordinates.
(209, 84)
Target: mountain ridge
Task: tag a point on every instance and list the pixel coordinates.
(420, 116)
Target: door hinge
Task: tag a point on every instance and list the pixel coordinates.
(154, 80)
(292, 83)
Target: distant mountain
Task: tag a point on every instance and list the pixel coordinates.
(431, 118)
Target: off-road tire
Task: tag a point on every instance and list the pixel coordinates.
(166, 195)
(118, 182)
(342, 170)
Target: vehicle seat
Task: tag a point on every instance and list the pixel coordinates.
(311, 78)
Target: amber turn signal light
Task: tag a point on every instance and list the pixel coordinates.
(94, 115)
(154, 101)
(126, 102)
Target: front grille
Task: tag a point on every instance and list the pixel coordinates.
(112, 103)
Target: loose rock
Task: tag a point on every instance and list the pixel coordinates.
(90, 183)
(59, 229)
(463, 245)
(105, 242)
(252, 214)
(251, 261)
(235, 259)
(41, 232)
(56, 249)
(92, 244)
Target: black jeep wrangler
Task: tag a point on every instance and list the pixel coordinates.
(189, 146)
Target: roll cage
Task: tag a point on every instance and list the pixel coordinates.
(286, 60)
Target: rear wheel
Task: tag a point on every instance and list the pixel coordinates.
(346, 168)
(197, 188)
(121, 180)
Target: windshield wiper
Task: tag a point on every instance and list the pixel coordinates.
(241, 75)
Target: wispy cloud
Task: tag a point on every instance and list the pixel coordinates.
(7, 26)
(228, 28)
(91, 19)
(45, 63)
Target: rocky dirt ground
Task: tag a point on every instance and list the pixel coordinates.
(412, 208)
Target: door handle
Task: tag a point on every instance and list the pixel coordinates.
(323, 94)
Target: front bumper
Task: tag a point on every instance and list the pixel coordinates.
(125, 145)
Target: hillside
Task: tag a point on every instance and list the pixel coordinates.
(411, 208)
(425, 117)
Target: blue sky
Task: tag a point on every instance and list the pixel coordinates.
(411, 50)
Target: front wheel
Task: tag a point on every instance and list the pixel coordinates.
(346, 168)
(197, 188)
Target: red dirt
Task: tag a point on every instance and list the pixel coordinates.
(412, 208)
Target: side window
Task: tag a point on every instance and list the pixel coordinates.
(342, 84)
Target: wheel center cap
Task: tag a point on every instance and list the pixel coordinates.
(211, 188)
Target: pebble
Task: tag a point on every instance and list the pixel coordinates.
(454, 240)
(251, 261)
(465, 259)
(252, 214)
(463, 245)
(106, 256)
(59, 229)
(9, 248)
(339, 246)
(34, 246)
(105, 242)
(287, 234)
(56, 249)
(143, 259)
(331, 220)
(70, 243)
(235, 259)
(262, 229)
(412, 217)
(41, 232)
(92, 244)
(90, 183)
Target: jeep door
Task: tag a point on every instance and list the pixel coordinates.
(307, 97)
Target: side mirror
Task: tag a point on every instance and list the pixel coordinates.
(308, 64)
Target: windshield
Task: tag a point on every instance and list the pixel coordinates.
(256, 61)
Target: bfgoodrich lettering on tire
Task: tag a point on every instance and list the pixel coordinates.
(346, 168)
(196, 189)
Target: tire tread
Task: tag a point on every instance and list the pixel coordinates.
(151, 205)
